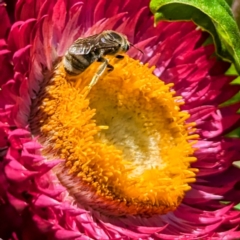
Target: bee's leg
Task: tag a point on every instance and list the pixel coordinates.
(99, 72)
(110, 68)
(119, 56)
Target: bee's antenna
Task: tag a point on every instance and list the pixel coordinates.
(136, 48)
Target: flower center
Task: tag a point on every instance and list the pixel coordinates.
(126, 144)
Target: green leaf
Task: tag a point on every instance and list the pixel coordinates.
(234, 134)
(229, 2)
(213, 16)
(231, 71)
(237, 207)
(236, 164)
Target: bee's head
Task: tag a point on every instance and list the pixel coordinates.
(121, 39)
(125, 44)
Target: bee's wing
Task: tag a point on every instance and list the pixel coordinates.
(106, 43)
(83, 46)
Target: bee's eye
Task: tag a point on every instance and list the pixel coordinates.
(127, 47)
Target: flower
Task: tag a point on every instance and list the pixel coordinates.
(39, 199)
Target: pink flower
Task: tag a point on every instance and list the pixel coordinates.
(33, 202)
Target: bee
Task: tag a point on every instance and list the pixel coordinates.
(84, 51)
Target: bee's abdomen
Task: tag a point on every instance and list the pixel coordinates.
(76, 64)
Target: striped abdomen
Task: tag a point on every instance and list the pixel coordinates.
(76, 64)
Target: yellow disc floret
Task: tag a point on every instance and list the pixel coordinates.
(126, 144)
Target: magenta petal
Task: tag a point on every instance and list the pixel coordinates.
(149, 230)
(126, 232)
(18, 57)
(4, 21)
(17, 203)
(45, 201)
(17, 172)
(64, 234)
